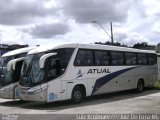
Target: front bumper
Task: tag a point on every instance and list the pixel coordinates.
(26, 95)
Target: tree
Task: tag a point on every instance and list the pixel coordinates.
(109, 43)
(142, 45)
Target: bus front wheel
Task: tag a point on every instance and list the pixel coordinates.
(140, 86)
(77, 94)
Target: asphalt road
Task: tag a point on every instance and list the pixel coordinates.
(128, 102)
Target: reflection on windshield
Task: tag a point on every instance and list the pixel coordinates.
(5, 76)
(26, 64)
(31, 73)
(5, 60)
(36, 73)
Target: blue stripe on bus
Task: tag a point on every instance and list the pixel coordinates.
(105, 79)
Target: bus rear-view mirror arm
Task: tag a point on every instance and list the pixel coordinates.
(43, 59)
(12, 64)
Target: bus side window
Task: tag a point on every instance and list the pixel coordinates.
(105, 58)
(117, 58)
(151, 59)
(80, 58)
(102, 58)
(84, 58)
(131, 58)
(98, 58)
(142, 59)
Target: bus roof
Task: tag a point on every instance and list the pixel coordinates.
(50, 47)
(89, 46)
(18, 51)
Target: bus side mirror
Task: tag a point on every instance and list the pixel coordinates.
(43, 59)
(12, 64)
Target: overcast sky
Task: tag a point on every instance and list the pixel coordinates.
(43, 22)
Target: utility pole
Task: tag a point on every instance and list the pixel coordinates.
(111, 36)
(111, 33)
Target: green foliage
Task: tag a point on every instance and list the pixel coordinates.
(157, 85)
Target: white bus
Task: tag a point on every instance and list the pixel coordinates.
(11, 64)
(74, 71)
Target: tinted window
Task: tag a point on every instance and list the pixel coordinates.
(102, 58)
(117, 58)
(84, 58)
(152, 59)
(17, 71)
(131, 58)
(63, 55)
(54, 68)
(142, 59)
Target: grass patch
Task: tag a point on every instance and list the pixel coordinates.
(157, 85)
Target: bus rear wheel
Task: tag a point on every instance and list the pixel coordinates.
(140, 86)
(77, 94)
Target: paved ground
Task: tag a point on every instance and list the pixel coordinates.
(127, 102)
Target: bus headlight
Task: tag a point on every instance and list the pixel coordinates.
(36, 90)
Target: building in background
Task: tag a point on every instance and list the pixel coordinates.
(5, 48)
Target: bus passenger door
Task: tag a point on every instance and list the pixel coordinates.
(54, 83)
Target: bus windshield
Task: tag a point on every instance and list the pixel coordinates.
(55, 66)
(31, 72)
(5, 76)
(5, 60)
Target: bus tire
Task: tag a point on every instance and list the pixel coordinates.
(140, 85)
(77, 94)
